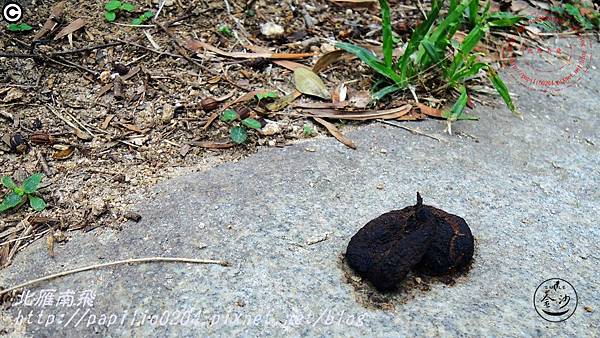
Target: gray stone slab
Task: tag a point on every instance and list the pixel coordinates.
(529, 190)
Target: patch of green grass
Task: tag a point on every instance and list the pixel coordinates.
(21, 193)
(433, 46)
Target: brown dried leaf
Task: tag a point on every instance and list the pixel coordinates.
(339, 94)
(106, 122)
(355, 3)
(389, 114)
(284, 101)
(425, 109)
(72, 27)
(291, 65)
(360, 99)
(328, 59)
(213, 145)
(331, 128)
(195, 45)
(63, 154)
(50, 244)
(132, 128)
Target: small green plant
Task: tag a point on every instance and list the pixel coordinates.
(21, 27)
(432, 47)
(307, 130)
(580, 11)
(21, 193)
(239, 133)
(266, 96)
(225, 30)
(143, 18)
(113, 7)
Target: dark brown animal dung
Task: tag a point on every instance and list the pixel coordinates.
(417, 237)
(451, 248)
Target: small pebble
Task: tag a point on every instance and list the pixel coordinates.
(132, 216)
(271, 30)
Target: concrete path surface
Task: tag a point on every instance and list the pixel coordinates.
(283, 217)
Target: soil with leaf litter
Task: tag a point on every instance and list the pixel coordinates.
(105, 110)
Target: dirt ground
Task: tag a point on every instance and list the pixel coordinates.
(110, 110)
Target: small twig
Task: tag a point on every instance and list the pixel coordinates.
(7, 116)
(125, 261)
(44, 164)
(414, 131)
(17, 245)
(87, 49)
(160, 8)
(69, 123)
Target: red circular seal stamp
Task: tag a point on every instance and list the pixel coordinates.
(552, 65)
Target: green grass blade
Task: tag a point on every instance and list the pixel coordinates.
(453, 4)
(468, 44)
(502, 90)
(465, 74)
(388, 39)
(418, 35)
(458, 108)
(380, 94)
(372, 61)
(454, 17)
(472, 39)
(503, 19)
(431, 50)
(473, 12)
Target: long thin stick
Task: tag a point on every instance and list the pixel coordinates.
(126, 261)
(414, 131)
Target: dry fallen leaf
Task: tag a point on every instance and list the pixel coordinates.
(291, 65)
(425, 109)
(360, 99)
(309, 83)
(13, 94)
(338, 97)
(328, 59)
(195, 45)
(283, 101)
(355, 3)
(389, 114)
(132, 127)
(50, 244)
(63, 154)
(213, 145)
(72, 27)
(336, 133)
